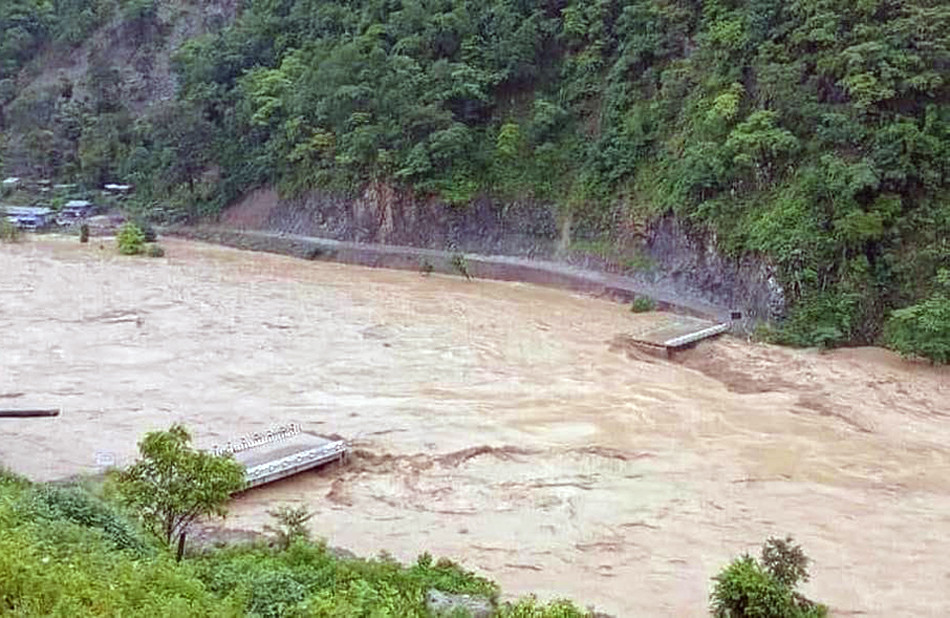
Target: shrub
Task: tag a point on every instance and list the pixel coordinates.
(57, 568)
(291, 524)
(766, 588)
(130, 240)
(460, 264)
(75, 505)
(8, 231)
(172, 484)
(744, 588)
(274, 592)
(154, 250)
(84, 233)
(147, 229)
(642, 304)
(11, 479)
(923, 329)
(530, 607)
(823, 320)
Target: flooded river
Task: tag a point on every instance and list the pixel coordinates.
(504, 425)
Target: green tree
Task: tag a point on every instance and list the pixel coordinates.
(172, 484)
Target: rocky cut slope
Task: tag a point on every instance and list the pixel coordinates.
(661, 260)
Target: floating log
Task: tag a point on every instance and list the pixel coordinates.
(28, 413)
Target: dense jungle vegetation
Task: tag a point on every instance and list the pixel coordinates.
(813, 132)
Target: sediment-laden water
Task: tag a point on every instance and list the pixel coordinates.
(504, 425)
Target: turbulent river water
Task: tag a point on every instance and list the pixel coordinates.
(503, 425)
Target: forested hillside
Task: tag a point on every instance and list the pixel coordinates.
(815, 133)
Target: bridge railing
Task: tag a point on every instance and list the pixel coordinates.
(278, 433)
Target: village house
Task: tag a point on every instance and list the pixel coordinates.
(75, 210)
(28, 217)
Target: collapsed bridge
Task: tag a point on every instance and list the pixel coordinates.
(282, 452)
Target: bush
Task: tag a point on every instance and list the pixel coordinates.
(923, 329)
(78, 506)
(291, 524)
(823, 320)
(154, 250)
(8, 231)
(309, 579)
(10, 479)
(172, 484)
(460, 264)
(744, 588)
(130, 240)
(643, 304)
(60, 569)
(530, 607)
(766, 588)
(148, 230)
(785, 561)
(84, 233)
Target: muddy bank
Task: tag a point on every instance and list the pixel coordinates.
(662, 255)
(501, 424)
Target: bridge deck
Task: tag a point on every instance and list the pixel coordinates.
(272, 462)
(674, 332)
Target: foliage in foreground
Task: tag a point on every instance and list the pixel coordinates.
(307, 579)
(75, 505)
(765, 588)
(172, 484)
(290, 525)
(66, 552)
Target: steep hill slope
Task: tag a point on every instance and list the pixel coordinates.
(76, 76)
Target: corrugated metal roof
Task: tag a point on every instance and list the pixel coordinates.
(23, 211)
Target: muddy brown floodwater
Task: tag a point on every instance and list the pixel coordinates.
(503, 425)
